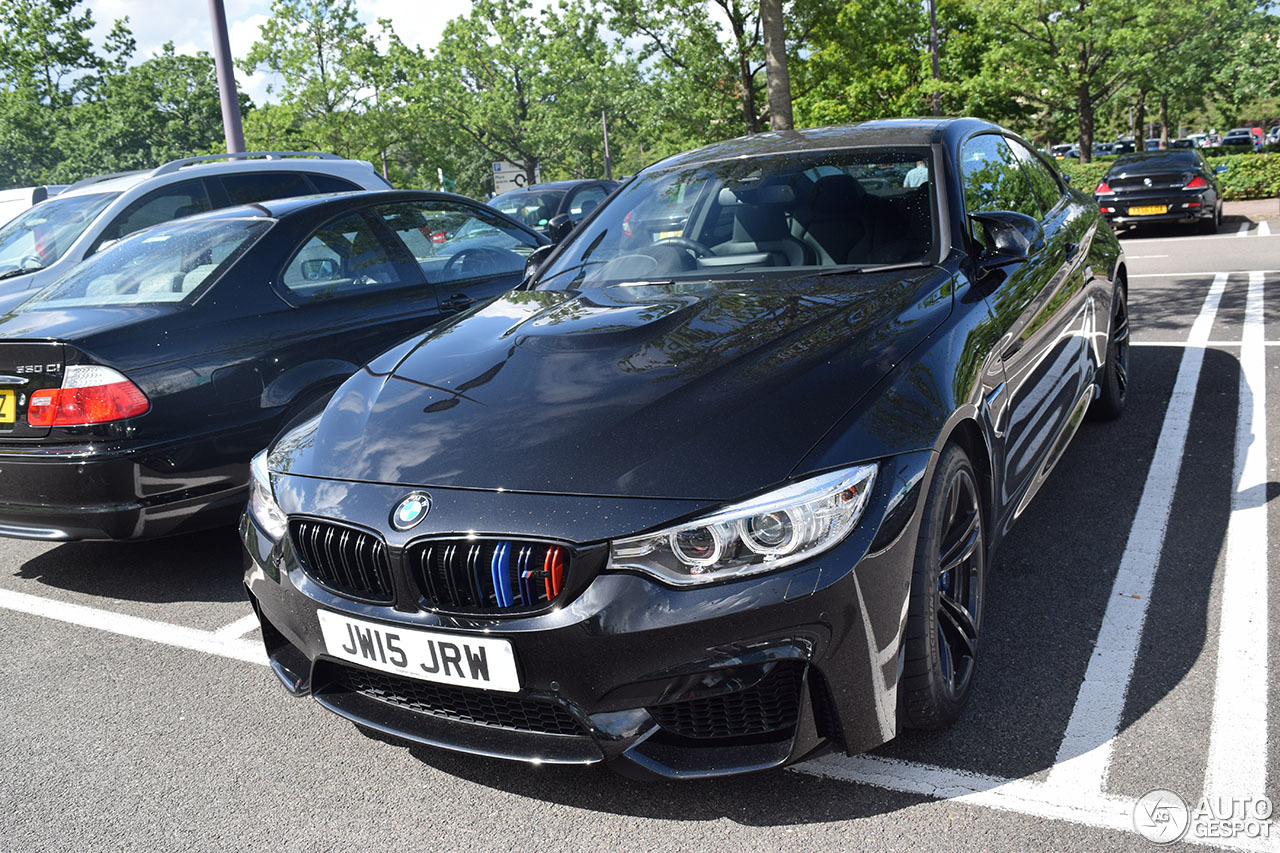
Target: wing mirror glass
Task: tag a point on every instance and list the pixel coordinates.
(1219, 170)
(319, 269)
(1009, 237)
(535, 261)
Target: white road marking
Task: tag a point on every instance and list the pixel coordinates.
(134, 626)
(1264, 230)
(1181, 274)
(1244, 229)
(1084, 756)
(1129, 241)
(1237, 764)
(238, 628)
(1143, 257)
(1021, 796)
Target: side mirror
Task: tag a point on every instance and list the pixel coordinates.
(535, 260)
(1066, 177)
(1219, 170)
(319, 269)
(1010, 237)
(560, 227)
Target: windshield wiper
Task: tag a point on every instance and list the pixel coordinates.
(19, 271)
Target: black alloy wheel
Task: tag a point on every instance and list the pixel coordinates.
(945, 610)
(1114, 379)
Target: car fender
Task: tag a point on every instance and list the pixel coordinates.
(303, 378)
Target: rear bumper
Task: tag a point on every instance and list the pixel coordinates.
(1186, 207)
(83, 493)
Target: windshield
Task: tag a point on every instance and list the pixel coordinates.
(751, 216)
(42, 234)
(529, 207)
(167, 263)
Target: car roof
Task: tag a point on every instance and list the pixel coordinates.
(900, 131)
(216, 164)
(553, 185)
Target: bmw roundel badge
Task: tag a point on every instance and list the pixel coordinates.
(411, 510)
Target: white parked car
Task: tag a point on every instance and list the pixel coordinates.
(43, 243)
(13, 202)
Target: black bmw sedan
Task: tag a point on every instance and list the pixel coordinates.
(1162, 186)
(134, 390)
(705, 502)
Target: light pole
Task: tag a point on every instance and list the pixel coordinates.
(226, 79)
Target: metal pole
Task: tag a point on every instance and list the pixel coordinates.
(226, 78)
(933, 52)
(608, 161)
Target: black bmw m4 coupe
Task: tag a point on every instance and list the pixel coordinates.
(716, 487)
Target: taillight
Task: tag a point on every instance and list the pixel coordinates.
(1196, 183)
(626, 224)
(90, 394)
(1103, 189)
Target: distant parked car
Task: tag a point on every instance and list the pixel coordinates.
(134, 390)
(1161, 186)
(1153, 144)
(1103, 149)
(1182, 143)
(47, 241)
(1125, 145)
(536, 206)
(13, 202)
(1273, 135)
(1241, 136)
(1062, 152)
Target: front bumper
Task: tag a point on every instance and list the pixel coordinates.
(62, 493)
(1183, 206)
(654, 681)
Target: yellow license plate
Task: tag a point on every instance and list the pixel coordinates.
(667, 235)
(8, 406)
(1149, 210)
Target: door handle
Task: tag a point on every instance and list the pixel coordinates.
(456, 302)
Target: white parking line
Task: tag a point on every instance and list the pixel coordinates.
(1244, 229)
(1084, 757)
(238, 628)
(134, 626)
(1237, 763)
(1183, 274)
(1264, 230)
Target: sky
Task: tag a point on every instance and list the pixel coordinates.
(186, 24)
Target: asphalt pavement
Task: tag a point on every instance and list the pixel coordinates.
(1128, 639)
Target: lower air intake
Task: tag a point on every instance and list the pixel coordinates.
(770, 705)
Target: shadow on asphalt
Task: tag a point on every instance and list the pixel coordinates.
(1230, 225)
(203, 566)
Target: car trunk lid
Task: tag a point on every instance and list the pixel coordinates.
(26, 367)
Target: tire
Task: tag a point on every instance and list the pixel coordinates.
(944, 612)
(1114, 379)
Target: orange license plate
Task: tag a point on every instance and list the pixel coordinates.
(1149, 210)
(8, 406)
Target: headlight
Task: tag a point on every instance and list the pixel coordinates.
(765, 533)
(262, 500)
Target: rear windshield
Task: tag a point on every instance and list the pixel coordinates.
(167, 263)
(529, 207)
(42, 234)
(864, 207)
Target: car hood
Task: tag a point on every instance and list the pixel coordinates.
(704, 391)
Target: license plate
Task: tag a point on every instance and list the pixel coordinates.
(426, 655)
(8, 407)
(667, 235)
(1149, 210)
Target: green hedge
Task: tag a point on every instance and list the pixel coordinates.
(1247, 175)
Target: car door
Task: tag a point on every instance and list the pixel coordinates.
(468, 254)
(1033, 306)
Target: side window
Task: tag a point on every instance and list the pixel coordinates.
(345, 257)
(330, 184)
(1043, 182)
(165, 204)
(250, 187)
(585, 201)
(455, 241)
(993, 179)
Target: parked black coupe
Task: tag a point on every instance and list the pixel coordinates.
(1162, 186)
(711, 501)
(134, 391)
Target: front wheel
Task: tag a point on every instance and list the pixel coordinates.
(1114, 380)
(945, 608)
